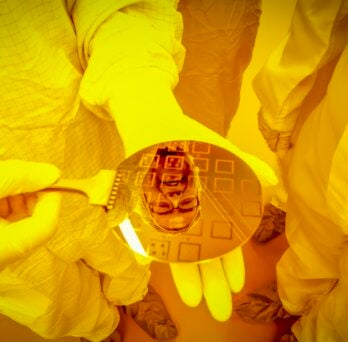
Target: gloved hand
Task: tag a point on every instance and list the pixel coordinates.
(215, 280)
(27, 218)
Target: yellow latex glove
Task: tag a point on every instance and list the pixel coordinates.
(215, 280)
(27, 218)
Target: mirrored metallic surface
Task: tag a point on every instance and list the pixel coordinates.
(190, 201)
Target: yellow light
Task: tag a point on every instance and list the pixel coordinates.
(131, 237)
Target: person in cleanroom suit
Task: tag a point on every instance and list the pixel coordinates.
(61, 63)
(219, 38)
(304, 119)
(69, 70)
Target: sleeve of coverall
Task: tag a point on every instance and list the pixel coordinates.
(126, 42)
(334, 307)
(130, 51)
(315, 38)
(337, 189)
(338, 203)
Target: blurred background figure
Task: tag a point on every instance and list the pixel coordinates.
(219, 38)
(69, 70)
(302, 89)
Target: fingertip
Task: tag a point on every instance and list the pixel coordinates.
(190, 296)
(49, 172)
(188, 283)
(221, 311)
(19, 176)
(234, 268)
(216, 290)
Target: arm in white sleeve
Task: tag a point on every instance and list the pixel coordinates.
(317, 36)
(132, 56)
(337, 198)
(131, 53)
(124, 280)
(337, 301)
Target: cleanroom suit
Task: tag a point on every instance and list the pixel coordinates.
(219, 38)
(60, 63)
(303, 91)
(69, 71)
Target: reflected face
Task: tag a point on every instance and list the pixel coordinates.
(174, 211)
(173, 200)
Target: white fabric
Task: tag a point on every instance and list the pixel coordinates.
(316, 37)
(55, 54)
(312, 273)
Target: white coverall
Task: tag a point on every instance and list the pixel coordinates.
(219, 38)
(303, 91)
(59, 64)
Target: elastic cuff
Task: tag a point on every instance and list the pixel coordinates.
(276, 140)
